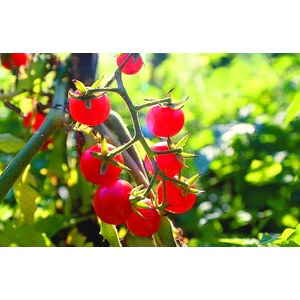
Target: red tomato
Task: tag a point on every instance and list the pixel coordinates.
(39, 119)
(93, 116)
(90, 166)
(144, 226)
(133, 65)
(178, 200)
(167, 163)
(164, 121)
(111, 202)
(14, 60)
(27, 119)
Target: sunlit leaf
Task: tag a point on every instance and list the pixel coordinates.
(262, 172)
(164, 236)
(22, 236)
(10, 143)
(293, 109)
(109, 232)
(26, 195)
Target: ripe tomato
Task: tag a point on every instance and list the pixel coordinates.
(90, 166)
(14, 60)
(39, 119)
(133, 65)
(144, 226)
(111, 201)
(178, 200)
(27, 119)
(167, 163)
(93, 116)
(164, 121)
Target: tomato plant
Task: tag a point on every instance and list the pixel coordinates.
(110, 147)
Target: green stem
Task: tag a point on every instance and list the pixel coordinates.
(11, 95)
(54, 119)
(152, 103)
(171, 151)
(116, 123)
(137, 175)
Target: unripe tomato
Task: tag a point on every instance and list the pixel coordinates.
(167, 163)
(14, 60)
(179, 201)
(111, 201)
(164, 121)
(146, 226)
(90, 166)
(93, 116)
(133, 65)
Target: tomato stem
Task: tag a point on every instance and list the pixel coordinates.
(54, 120)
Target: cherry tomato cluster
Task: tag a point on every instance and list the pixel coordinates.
(116, 201)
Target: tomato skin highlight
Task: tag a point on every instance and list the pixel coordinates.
(164, 121)
(167, 163)
(179, 201)
(147, 226)
(111, 202)
(14, 60)
(93, 116)
(132, 66)
(90, 166)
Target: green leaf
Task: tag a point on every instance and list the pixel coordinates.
(97, 83)
(22, 236)
(263, 172)
(293, 109)
(110, 233)
(193, 179)
(10, 143)
(294, 237)
(118, 164)
(239, 242)
(51, 224)
(164, 236)
(188, 155)
(77, 239)
(132, 240)
(80, 86)
(269, 238)
(181, 143)
(26, 195)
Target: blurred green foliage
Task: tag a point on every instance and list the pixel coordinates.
(242, 115)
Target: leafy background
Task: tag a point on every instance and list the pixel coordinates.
(242, 114)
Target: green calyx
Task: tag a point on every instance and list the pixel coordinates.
(86, 93)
